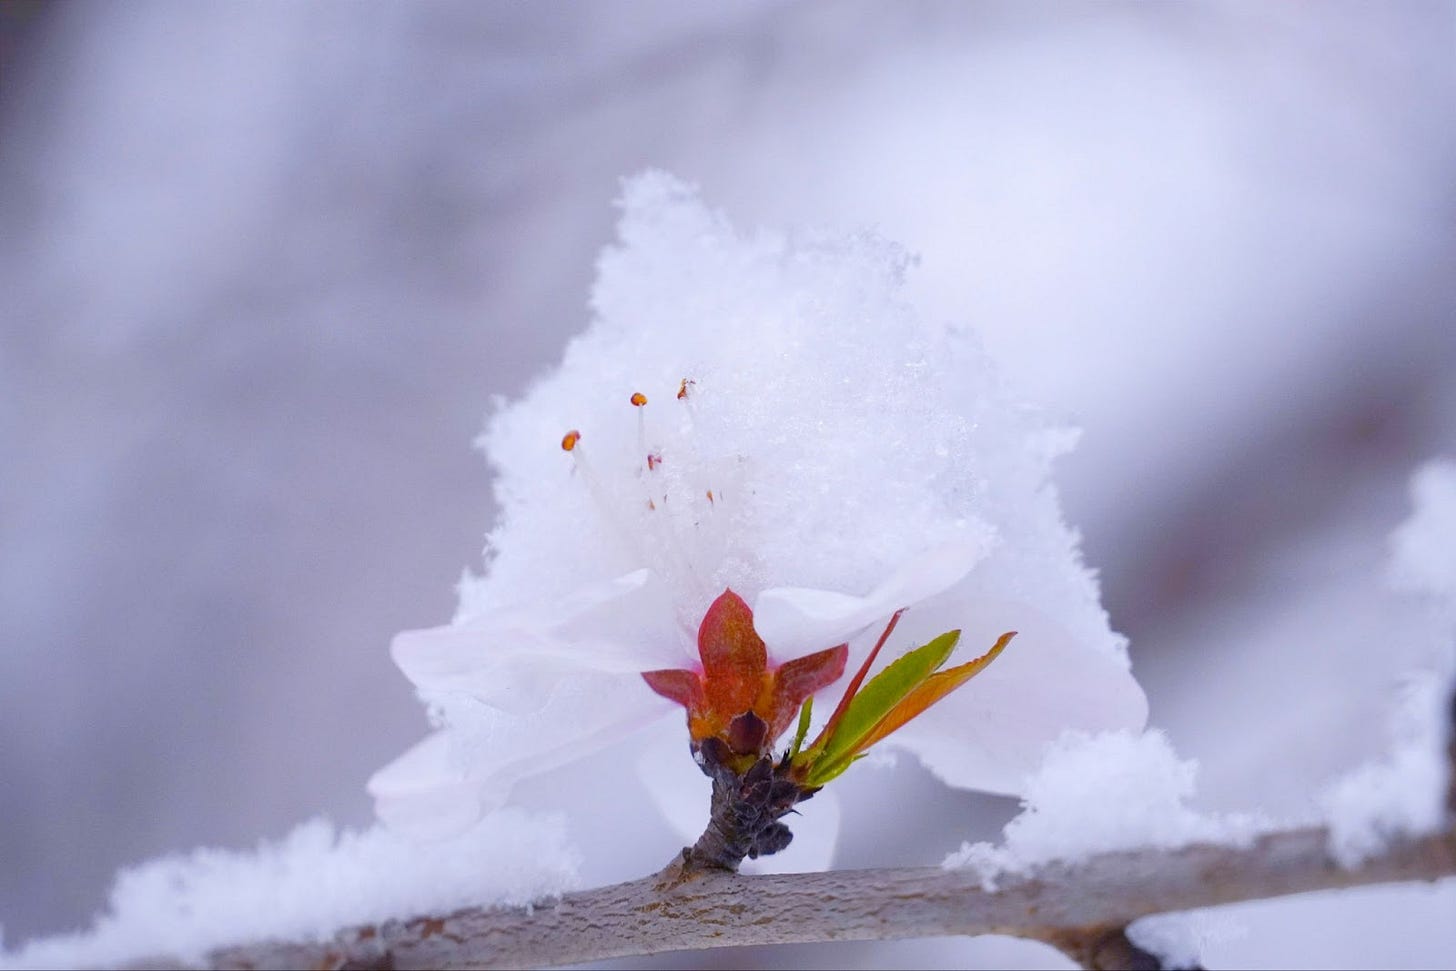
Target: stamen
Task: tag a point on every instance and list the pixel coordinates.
(638, 400)
(652, 535)
(608, 505)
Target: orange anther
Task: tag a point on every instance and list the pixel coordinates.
(569, 440)
(710, 495)
(651, 505)
(639, 399)
(682, 388)
(653, 461)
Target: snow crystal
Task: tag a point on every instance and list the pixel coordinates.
(1404, 793)
(1101, 794)
(841, 433)
(1424, 557)
(1180, 940)
(308, 886)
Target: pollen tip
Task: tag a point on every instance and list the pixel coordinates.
(638, 399)
(569, 440)
(682, 388)
(710, 495)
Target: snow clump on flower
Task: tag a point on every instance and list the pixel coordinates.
(766, 413)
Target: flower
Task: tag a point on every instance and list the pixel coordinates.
(787, 428)
(523, 690)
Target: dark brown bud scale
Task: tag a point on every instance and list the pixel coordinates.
(744, 817)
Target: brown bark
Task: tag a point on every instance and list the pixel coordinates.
(1081, 908)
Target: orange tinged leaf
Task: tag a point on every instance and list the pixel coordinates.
(931, 690)
(735, 661)
(859, 676)
(736, 697)
(796, 680)
(683, 687)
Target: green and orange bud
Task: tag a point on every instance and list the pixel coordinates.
(891, 699)
(738, 705)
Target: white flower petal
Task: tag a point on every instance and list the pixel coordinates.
(624, 625)
(677, 786)
(795, 621)
(511, 658)
(424, 793)
(441, 786)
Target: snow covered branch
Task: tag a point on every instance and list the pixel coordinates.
(1081, 909)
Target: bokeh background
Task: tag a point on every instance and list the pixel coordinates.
(263, 268)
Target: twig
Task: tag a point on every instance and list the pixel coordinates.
(1081, 908)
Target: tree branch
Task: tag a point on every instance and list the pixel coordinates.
(1080, 908)
(1083, 908)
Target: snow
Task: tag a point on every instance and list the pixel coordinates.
(307, 886)
(833, 455)
(846, 433)
(816, 445)
(1423, 558)
(1101, 794)
(1402, 793)
(762, 411)
(1181, 940)
(1067, 815)
(1111, 197)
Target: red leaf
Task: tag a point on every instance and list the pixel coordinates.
(683, 687)
(734, 657)
(798, 679)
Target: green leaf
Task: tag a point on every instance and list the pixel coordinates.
(832, 772)
(931, 690)
(833, 724)
(803, 728)
(874, 701)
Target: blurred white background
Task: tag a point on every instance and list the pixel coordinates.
(264, 267)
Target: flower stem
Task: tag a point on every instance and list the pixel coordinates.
(744, 816)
